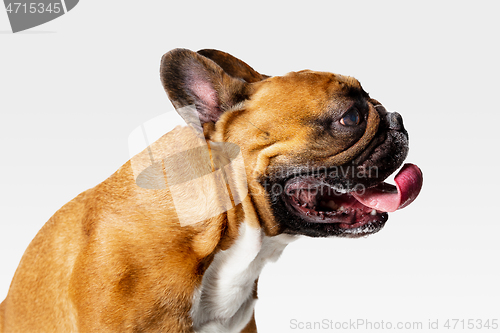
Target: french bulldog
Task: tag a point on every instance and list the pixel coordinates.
(175, 240)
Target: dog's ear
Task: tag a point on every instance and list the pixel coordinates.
(233, 66)
(191, 79)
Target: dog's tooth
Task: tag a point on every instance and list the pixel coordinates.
(373, 212)
(304, 204)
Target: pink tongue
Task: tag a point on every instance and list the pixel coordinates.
(389, 198)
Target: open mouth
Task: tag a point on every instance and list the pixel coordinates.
(315, 201)
(325, 205)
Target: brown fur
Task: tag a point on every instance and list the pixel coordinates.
(116, 259)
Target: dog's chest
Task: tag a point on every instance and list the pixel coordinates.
(224, 302)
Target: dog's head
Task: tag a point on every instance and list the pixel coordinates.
(316, 146)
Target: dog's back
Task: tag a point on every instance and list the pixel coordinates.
(93, 249)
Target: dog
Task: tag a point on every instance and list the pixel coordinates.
(175, 240)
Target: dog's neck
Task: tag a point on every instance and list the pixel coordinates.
(225, 300)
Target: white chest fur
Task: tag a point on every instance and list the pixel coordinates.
(224, 301)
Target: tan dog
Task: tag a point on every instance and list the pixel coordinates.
(162, 246)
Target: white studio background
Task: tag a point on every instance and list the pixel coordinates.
(73, 89)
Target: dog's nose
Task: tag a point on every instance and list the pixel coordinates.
(395, 121)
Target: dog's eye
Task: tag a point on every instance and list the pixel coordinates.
(351, 118)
